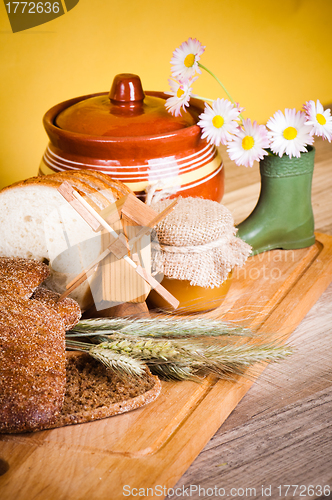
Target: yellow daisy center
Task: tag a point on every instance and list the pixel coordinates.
(290, 133)
(179, 93)
(321, 119)
(218, 121)
(189, 60)
(247, 142)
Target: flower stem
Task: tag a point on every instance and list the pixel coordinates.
(202, 98)
(220, 83)
(217, 79)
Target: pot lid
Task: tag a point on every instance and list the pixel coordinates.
(125, 112)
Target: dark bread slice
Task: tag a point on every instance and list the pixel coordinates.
(20, 277)
(32, 364)
(94, 392)
(68, 309)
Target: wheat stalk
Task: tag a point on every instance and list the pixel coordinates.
(242, 354)
(181, 359)
(160, 327)
(116, 361)
(126, 365)
(174, 371)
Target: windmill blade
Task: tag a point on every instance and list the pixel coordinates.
(118, 247)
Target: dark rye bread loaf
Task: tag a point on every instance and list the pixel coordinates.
(68, 309)
(20, 277)
(32, 364)
(42, 387)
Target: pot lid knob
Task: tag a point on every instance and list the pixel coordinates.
(126, 88)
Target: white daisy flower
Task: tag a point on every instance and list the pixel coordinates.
(288, 133)
(181, 93)
(249, 144)
(219, 122)
(185, 59)
(320, 120)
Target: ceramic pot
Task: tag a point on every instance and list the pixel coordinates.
(129, 135)
(283, 217)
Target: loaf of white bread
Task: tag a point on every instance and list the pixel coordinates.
(37, 223)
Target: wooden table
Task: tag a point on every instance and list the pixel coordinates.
(281, 431)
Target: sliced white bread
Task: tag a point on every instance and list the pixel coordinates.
(37, 223)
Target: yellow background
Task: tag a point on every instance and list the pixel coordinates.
(269, 54)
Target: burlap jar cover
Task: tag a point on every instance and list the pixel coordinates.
(197, 242)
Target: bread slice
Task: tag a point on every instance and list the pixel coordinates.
(32, 364)
(37, 223)
(94, 392)
(104, 184)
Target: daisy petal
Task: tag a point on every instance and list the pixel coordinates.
(185, 59)
(319, 120)
(288, 133)
(181, 93)
(249, 143)
(218, 122)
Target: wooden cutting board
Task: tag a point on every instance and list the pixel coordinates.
(150, 448)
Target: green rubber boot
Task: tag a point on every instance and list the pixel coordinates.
(283, 216)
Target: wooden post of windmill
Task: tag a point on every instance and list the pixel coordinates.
(123, 292)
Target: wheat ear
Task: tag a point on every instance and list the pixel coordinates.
(182, 359)
(160, 327)
(116, 361)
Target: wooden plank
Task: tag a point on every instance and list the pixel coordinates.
(120, 282)
(245, 456)
(157, 287)
(154, 445)
(291, 384)
(135, 211)
(153, 222)
(67, 191)
(129, 207)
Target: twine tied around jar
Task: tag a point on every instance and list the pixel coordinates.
(190, 249)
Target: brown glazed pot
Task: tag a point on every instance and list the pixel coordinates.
(129, 135)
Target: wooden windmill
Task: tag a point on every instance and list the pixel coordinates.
(125, 227)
